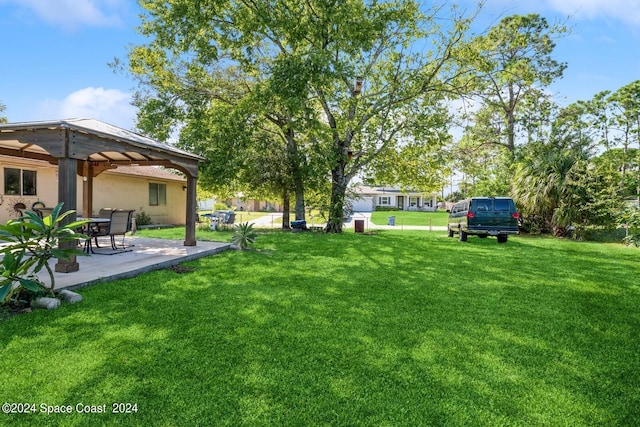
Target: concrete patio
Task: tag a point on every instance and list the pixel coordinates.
(146, 255)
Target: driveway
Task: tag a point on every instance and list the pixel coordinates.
(368, 225)
(274, 220)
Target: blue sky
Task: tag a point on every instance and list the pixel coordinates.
(55, 52)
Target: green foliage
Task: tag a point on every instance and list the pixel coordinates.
(630, 220)
(30, 242)
(305, 90)
(143, 218)
(2, 110)
(386, 208)
(244, 235)
(394, 329)
(513, 61)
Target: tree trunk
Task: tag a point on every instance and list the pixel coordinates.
(511, 121)
(285, 211)
(299, 190)
(339, 184)
(297, 175)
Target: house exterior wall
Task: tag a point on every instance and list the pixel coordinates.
(110, 189)
(252, 205)
(120, 191)
(369, 198)
(46, 186)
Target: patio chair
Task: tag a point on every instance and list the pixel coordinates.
(231, 218)
(120, 225)
(105, 212)
(100, 230)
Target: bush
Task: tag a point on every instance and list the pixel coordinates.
(143, 218)
(386, 209)
(630, 219)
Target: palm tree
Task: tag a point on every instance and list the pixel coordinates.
(544, 185)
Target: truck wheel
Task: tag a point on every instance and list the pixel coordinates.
(462, 236)
(449, 232)
(502, 238)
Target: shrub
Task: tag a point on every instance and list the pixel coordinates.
(244, 235)
(143, 218)
(630, 220)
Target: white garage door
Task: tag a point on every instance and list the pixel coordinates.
(364, 204)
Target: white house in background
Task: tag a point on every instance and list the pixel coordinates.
(366, 198)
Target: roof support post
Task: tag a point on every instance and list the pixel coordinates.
(190, 226)
(67, 186)
(87, 189)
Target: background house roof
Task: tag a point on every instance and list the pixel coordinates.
(148, 172)
(382, 190)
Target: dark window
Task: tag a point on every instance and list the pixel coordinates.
(503, 205)
(18, 182)
(29, 183)
(157, 194)
(483, 205)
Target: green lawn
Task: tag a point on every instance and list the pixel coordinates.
(177, 233)
(242, 216)
(438, 218)
(385, 329)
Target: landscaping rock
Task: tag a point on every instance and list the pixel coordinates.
(45, 302)
(70, 296)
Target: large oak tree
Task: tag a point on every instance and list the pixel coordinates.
(338, 83)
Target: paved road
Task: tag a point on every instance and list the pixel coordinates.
(275, 220)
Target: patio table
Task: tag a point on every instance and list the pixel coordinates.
(93, 224)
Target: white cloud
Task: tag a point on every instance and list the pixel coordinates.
(627, 11)
(624, 11)
(108, 105)
(71, 14)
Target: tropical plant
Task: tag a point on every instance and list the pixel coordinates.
(31, 242)
(244, 235)
(546, 185)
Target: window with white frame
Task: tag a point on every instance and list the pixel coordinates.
(384, 200)
(413, 202)
(19, 182)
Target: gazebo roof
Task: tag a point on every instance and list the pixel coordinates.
(89, 147)
(92, 140)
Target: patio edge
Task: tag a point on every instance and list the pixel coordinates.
(145, 269)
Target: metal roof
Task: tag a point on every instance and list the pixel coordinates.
(111, 143)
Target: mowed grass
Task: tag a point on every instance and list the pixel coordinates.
(241, 216)
(386, 329)
(438, 218)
